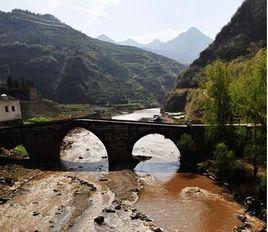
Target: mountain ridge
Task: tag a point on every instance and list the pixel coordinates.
(184, 48)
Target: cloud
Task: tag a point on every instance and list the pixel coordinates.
(80, 14)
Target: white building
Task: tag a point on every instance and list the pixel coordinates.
(9, 110)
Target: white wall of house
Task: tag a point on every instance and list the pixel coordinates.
(9, 110)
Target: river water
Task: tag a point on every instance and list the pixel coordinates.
(176, 201)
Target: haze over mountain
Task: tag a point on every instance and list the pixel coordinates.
(71, 67)
(185, 48)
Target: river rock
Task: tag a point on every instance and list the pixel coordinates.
(253, 206)
(242, 218)
(35, 213)
(99, 220)
(3, 200)
(157, 229)
(118, 207)
(140, 216)
(109, 210)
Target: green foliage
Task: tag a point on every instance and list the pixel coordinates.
(225, 161)
(20, 150)
(249, 89)
(175, 100)
(36, 120)
(196, 100)
(218, 101)
(186, 144)
(238, 90)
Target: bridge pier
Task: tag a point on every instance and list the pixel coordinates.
(43, 147)
(120, 156)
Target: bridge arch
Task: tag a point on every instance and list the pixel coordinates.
(88, 151)
(157, 153)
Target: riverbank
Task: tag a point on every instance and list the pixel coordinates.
(247, 190)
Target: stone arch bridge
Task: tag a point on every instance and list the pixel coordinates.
(43, 140)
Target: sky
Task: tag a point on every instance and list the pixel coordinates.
(142, 20)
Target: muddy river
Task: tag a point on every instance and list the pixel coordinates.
(70, 198)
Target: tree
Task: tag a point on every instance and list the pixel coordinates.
(225, 162)
(248, 93)
(218, 101)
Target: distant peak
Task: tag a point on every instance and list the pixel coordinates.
(130, 40)
(193, 29)
(102, 36)
(105, 38)
(157, 41)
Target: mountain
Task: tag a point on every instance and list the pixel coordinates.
(241, 38)
(131, 42)
(185, 47)
(106, 39)
(71, 67)
(154, 44)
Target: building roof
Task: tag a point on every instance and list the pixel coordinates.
(4, 97)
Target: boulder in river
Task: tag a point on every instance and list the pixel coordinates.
(99, 220)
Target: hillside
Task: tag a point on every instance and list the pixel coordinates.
(70, 67)
(241, 38)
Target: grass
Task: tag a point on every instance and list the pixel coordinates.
(20, 150)
(36, 120)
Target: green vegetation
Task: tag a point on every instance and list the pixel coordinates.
(195, 105)
(175, 100)
(36, 120)
(226, 164)
(20, 150)
(236, 93)
(186, 144)
(69, 67)
(238, 90)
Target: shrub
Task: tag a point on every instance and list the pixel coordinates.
(225, 162)
(186, 144)
(20, 150)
